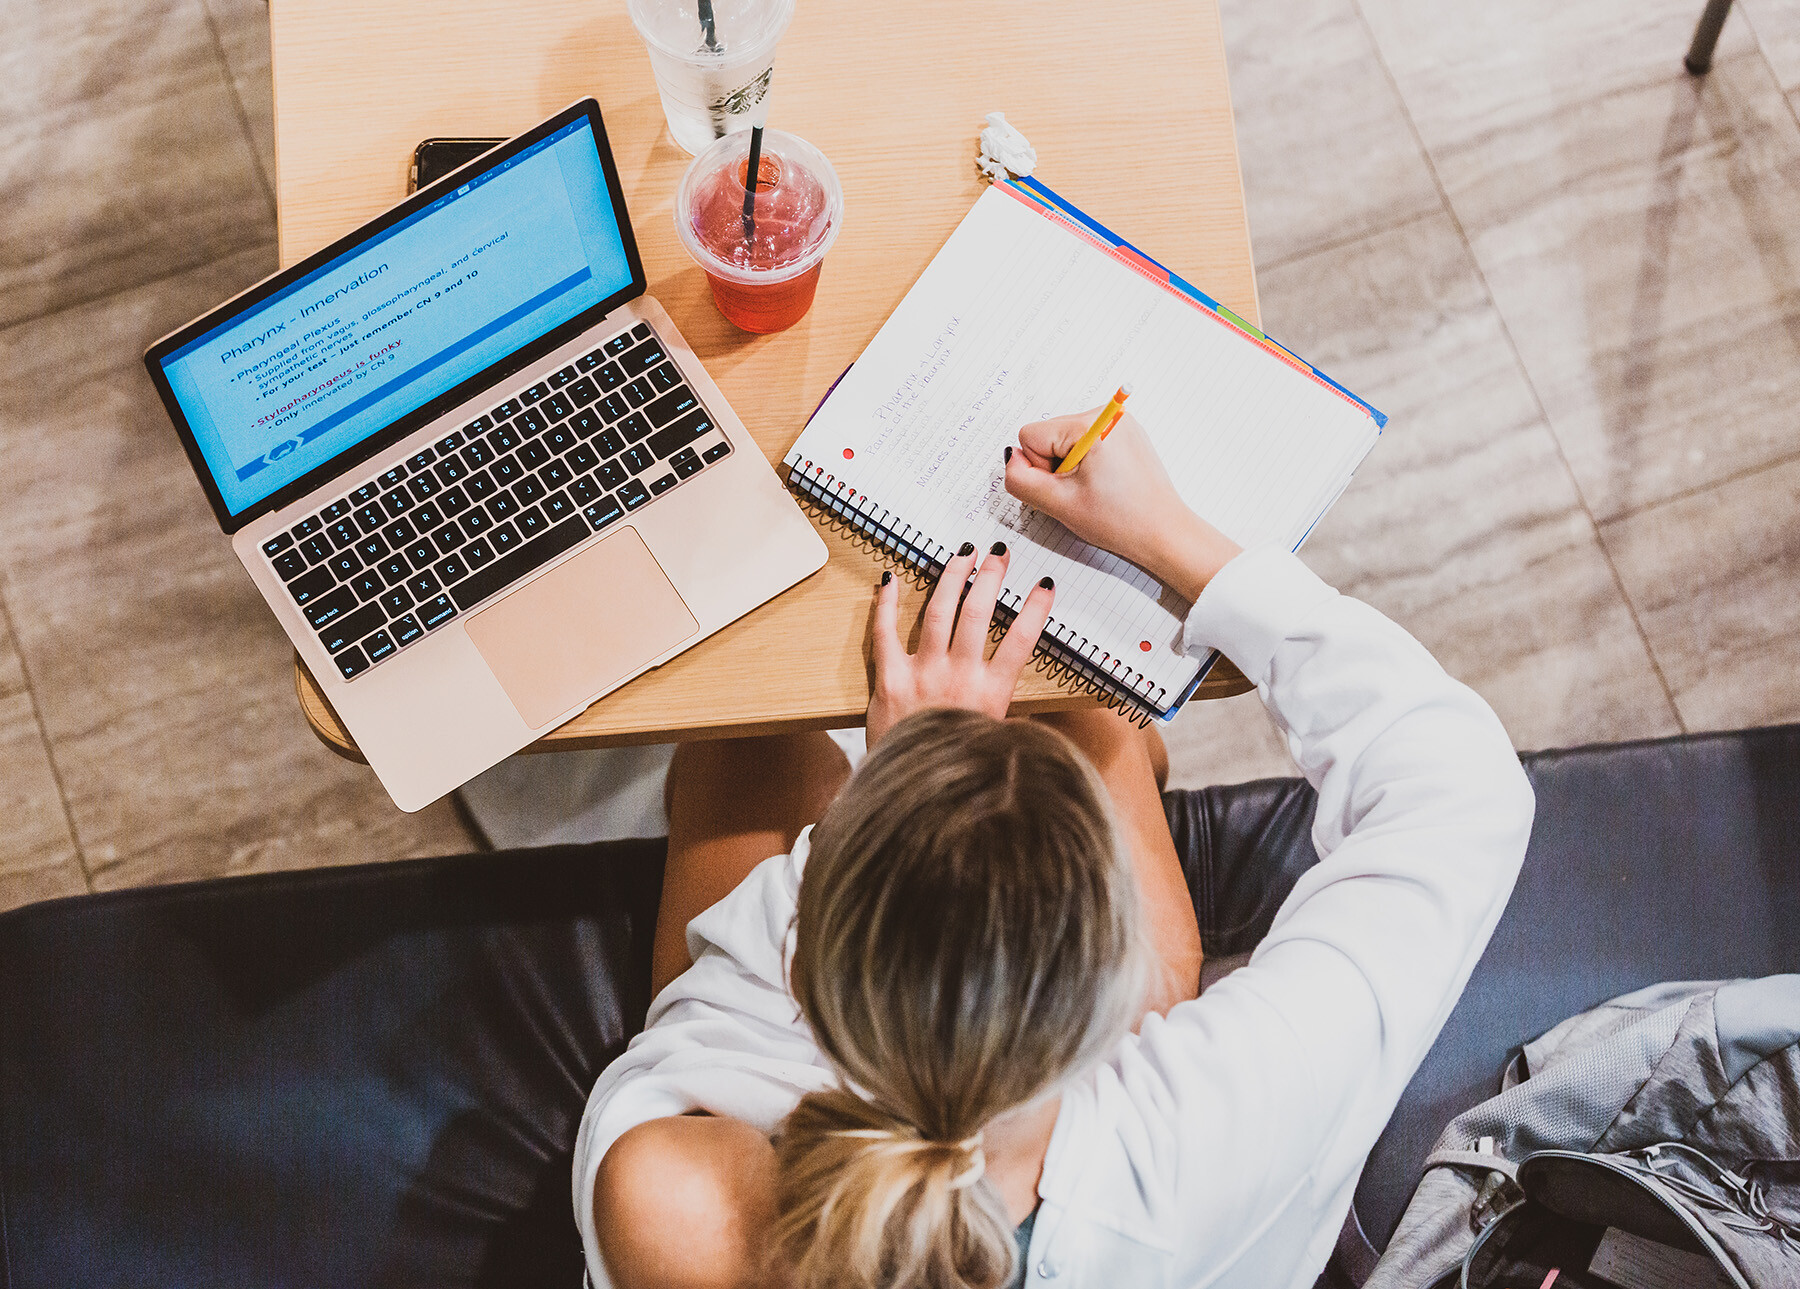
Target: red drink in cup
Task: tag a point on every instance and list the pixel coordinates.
(765, 269)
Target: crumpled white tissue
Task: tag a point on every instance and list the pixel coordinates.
(1004, 151)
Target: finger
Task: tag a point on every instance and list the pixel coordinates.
(940, 609)
(1054, 437)
(1022, 637)
(1035, 483)
(970, 640)
(889, 652)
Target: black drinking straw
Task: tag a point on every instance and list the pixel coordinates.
(706, 24)
(750, 177)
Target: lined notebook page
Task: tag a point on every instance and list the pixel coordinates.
(1018, 319)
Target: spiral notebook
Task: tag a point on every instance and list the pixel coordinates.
(1031, 309)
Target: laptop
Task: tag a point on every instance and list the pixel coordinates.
(473, 467)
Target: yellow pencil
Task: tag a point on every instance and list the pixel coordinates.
(1102, 426)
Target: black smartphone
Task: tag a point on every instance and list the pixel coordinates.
(435, 158)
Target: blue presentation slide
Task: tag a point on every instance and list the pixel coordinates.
(386, 328)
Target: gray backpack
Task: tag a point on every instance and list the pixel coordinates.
(1651, 1143)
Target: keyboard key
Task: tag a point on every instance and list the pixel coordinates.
(400, 532)
(423, 585)
(583, 392)
(528, 490)
(686, 463)
(558, 506)
(638, 392)
(452, 570)
(662, 485)
(365, 494)
(634, 427)
(505, 537)
(422, 487)
(427, 517)
(371, 548)
(317, 548)
(531, 522)
(451, 442)
(637, 458)
(344, 564)
(477, 454)
(335, 511)
(584, 490)
(453, 502)
(438, 612)
(351, 663)
(367, 584)
(535, 393)
(278, 543)
(563, 377)
(502, 505)
(641, 331)
(393, 478)
(665, 377)
(559, 439)
(372, 518)
(396, 503)
(674, 404)
(669, 441)
(479, 486)
(449, 470)
(344, 533)
(406, 630)
(556, 474)
(520, 561)
(557, 407)
(478, 554)
(611, 475)
(507, 410)
(618, 344)
(587, 362)
(421, 554)
(609, 377)
(640, 360)
(504, 438)
(602, 513)
(634, 494)
(305, 528)
(396, 601)
(716, 452)
(583, 459)
(352, 627)
(531, 423)
(423, 458)
(476, 521)
(506, 470)
(379, 646)
(611, 443)
(396, 570)
(533, 454)
(613, 407)
(290, 564)
(329, 608)
(310, 586)
(480, 425)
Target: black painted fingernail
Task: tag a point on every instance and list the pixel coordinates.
(1048, 583)
(968, 548)
(886, 577)
(1006, 455)
(998, 548)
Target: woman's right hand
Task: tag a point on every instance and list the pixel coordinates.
(1118, 498)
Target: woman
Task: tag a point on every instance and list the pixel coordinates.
(951, 1035)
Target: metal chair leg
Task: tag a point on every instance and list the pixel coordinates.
(1706, 35)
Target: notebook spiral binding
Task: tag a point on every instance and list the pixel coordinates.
(1066, 657)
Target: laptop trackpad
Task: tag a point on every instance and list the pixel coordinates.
(581, 628)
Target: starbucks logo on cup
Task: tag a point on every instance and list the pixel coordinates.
(744, 97)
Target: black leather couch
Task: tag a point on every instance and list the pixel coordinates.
(373, 1076)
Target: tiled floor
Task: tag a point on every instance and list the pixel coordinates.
(1568, 271)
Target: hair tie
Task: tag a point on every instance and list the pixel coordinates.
(972, 1172)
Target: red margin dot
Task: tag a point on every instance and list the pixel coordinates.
(1144, 645)
(848, 454)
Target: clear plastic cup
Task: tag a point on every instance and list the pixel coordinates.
(712, 81)
(762, 279)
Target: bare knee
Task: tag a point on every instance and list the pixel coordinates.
(677, 1203)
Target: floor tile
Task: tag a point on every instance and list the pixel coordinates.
(164, 684)
(243, 30)
(1325, 148)
(1716, 581)
(1463, 524)
(1777, 27)
(37, 852)
(1634, 225)
(122, 154)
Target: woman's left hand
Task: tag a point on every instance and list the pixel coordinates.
(949, 669)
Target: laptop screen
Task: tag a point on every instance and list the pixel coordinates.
(403, 317)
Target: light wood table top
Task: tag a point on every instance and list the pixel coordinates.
(1129, 111)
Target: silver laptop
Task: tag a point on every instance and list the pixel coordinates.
(473, 468)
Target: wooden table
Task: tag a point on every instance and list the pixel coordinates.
(1128, 108)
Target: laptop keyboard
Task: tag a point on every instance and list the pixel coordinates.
(460, 521)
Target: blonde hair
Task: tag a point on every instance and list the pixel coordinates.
(967, 935)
